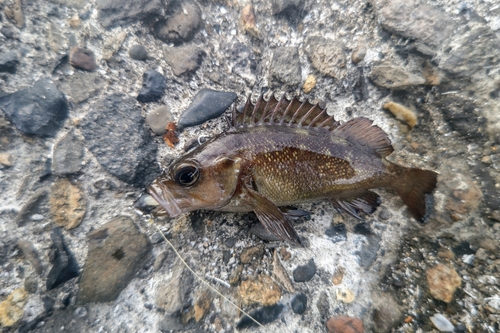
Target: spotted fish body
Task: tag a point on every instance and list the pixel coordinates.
(287, 152)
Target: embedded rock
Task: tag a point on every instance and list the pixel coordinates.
(153, 87)
(326, 55)
(183, 22)
(305, 272)
(183, 59)
(9, 62)
(67, 204)
(64, 265)
(116, 12)
(285, 66)
(68, 155)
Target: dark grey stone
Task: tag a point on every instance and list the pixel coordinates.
(368, 252)
(184, 20)
(9, 62)
(305, 272)
(264, 315)
(7, 31)
(153, 87)
(280, 5)
(125, 151)
(362, 228)
(118, 252)
(31, 254)
(337, 233)
(285, 66)
(35, 205)
(138, 52)
(68, 155)
(387, 312)
(116, 12)
(39, 110)
(207, 104)
(260, 231)
(299, 303)
(64, 265)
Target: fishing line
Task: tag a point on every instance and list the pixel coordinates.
(202, 280)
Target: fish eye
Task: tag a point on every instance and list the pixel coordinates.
(186, 175)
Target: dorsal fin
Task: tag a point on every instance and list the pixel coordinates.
(284, 112)
(366, 136)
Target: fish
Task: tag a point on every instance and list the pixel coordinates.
(281, 153)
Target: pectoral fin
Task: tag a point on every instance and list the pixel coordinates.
(271, 217)
(354, 203)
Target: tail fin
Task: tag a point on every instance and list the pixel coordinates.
(413, 188)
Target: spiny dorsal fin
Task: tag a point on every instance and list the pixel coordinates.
(366, 136)
(284, 112)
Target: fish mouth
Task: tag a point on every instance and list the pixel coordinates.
(164, 197)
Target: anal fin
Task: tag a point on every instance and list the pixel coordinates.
(271, 217)
(354, 203)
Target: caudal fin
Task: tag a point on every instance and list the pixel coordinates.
(414, 188)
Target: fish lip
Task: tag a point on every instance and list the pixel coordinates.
(165, 198)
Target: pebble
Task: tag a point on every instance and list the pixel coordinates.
(68, 204)
(68, 155)
(464, 200)
(388, 75)
(172, 292)
(183, 22)
(263, 291)
(338, 276)
(82, 59)
(83, 85)
(136, 162)
(206, 104)
(42, 102)
(285, 66)
(138, 52)
(247, 20)
(250, 254)
(30, 284)
(264, 315)
(344, 324)
(153, 87)
(402, 113)
(112, 45)
(14, 12)
(260, 231)
(158, 119)
(183, 59)
(299, 303)
(8, 62)
(31, 254)
(75, 21)
(309, 84)
(337, 233)
(358, 54)
(6, 159)
(368, 252)
(33, 205)
(345, 295)
(281, 274)
(113, 261)
(64, 265)
(278, 6)
(387, 312)
(443, 280)
(12, 308)
(362, 228)
(305, 272)
(326, 55)
(202, 305)
(112, 13)
(7, 31)
(441, 323)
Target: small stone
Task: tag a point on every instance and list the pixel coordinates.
(183, 59)
(235, 276)
(12, 308)
(305, 272)
(263, 291)
(64, 265)
(250, 253)
(31, 254)
(337, 233)
(112, 45)
(385, 213)
(30, 284)
(247, 20)
(82, 85)
(112, 13)
(14, 12)
(344, 324)
(390, 76)
(326, 55)
(264, 316)
(183, 22)
(6, 159)
(138, 52)
(42, 102)
(464, 200)
(68, 155)
(153, 87)
(281, 274)
(358, 54)
(206, 104)
(443, 280)
(441, 323)
(34, 205)
(402, 113)
(345, 295)
(279, 6)
(67, 204)
(202, 305)
(158, 119)
(9, 62)
(75, 21)
(7, 31)
(82, 59)
(309, 84)
(285, 66)
(363, 228)
(338, 276)
(299, 303)
(368, 252)
(113, 261)
(387, 312)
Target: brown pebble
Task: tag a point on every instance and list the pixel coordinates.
(75, 22)
(6, 159)
(82, 59)
(309, 83)
(443, 280)
(285, 255)
(408, 319)
(344, 324)
(358, 54)
(445, 253)
(67, 204)
(262, 291)
(247, 20)
(202, 305)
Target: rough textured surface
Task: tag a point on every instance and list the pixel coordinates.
(443, 280)
(153, 87)
(183, 59)
(68, 204)
(68, 156)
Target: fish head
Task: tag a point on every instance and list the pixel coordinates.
(196, 182)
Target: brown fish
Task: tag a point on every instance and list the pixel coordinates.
(287, 152)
